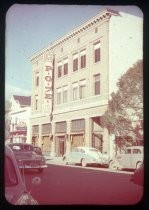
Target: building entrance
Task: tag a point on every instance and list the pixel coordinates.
(60, 145)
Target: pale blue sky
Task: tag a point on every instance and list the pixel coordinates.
(29, 28)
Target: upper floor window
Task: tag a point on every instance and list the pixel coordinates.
(97, 52)
(37, 79)
(65, 93)
(59, 69)
(59, 97)
(36, 102)
(75, 62)
(75, 91)
(82, 89)
(97, 84)
(65, 66)
(96, 30)
(83, 59)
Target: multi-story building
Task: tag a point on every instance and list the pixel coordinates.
(72, 80)
(19, 119)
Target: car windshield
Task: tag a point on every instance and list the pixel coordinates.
(10, 174)
(22, 147)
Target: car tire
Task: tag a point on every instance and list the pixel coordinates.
(83, 162)
(112, 165)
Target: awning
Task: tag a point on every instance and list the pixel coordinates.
(19, 132)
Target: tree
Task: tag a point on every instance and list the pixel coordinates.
(124, 115)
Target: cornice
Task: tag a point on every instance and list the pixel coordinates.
(105, 15)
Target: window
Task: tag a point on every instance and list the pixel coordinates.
(37, 79)
(35, 129)
(136, 151)
(83, 59)
(97, 84)
(59, 71)
(75, 62)
(65, 93)
(97, 52)
(75, 91)
(46, 128)
(96, 30)
(61, 127)
(59, 96)
(82, 89)
(65, 66)
(128, 151)
(78, 125)
(36, 102)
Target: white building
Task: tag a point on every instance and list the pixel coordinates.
(74, 77)
(20, 119)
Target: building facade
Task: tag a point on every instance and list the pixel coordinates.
(19, 117)
(72, 80)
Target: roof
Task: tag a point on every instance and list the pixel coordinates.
(99, 17)
(23, 100)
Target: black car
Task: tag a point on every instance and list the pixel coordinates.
(26, 156)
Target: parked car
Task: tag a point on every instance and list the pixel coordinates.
(132, 158)
(15, 188)
(27, 158)
(86, 156)
(138, 176)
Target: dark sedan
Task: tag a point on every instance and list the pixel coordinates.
(26, 156)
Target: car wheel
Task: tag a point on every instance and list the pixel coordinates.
(83, 163)
(40, 170)
(138, 165)
(112, 165)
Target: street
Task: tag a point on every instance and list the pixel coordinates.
(76, 185)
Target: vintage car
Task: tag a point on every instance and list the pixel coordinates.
(15, 188)
(132, 158)
(86, 156)
(27, 158)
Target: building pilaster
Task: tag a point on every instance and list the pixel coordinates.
(53, 153)
(88, 132)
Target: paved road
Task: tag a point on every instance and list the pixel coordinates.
(76, 185)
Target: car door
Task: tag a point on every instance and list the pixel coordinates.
(73, 156)
(125, 158)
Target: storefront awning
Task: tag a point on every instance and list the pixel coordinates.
(19, 132)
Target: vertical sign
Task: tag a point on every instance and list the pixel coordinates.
(48, 94)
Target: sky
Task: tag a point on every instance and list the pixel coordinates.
(30, 28)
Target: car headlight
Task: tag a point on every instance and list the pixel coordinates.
(26, 199)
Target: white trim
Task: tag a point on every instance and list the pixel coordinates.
(97, 45)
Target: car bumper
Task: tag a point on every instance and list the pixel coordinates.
(33, 166)
(106, 164)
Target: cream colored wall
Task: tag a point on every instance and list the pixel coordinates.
(90, 106)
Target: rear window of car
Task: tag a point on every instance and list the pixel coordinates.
(22, 147)
(10, 173)
(137, 151)
(128, 151)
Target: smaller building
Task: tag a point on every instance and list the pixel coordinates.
(20, 119)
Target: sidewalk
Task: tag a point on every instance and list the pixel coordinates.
(53, 160)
